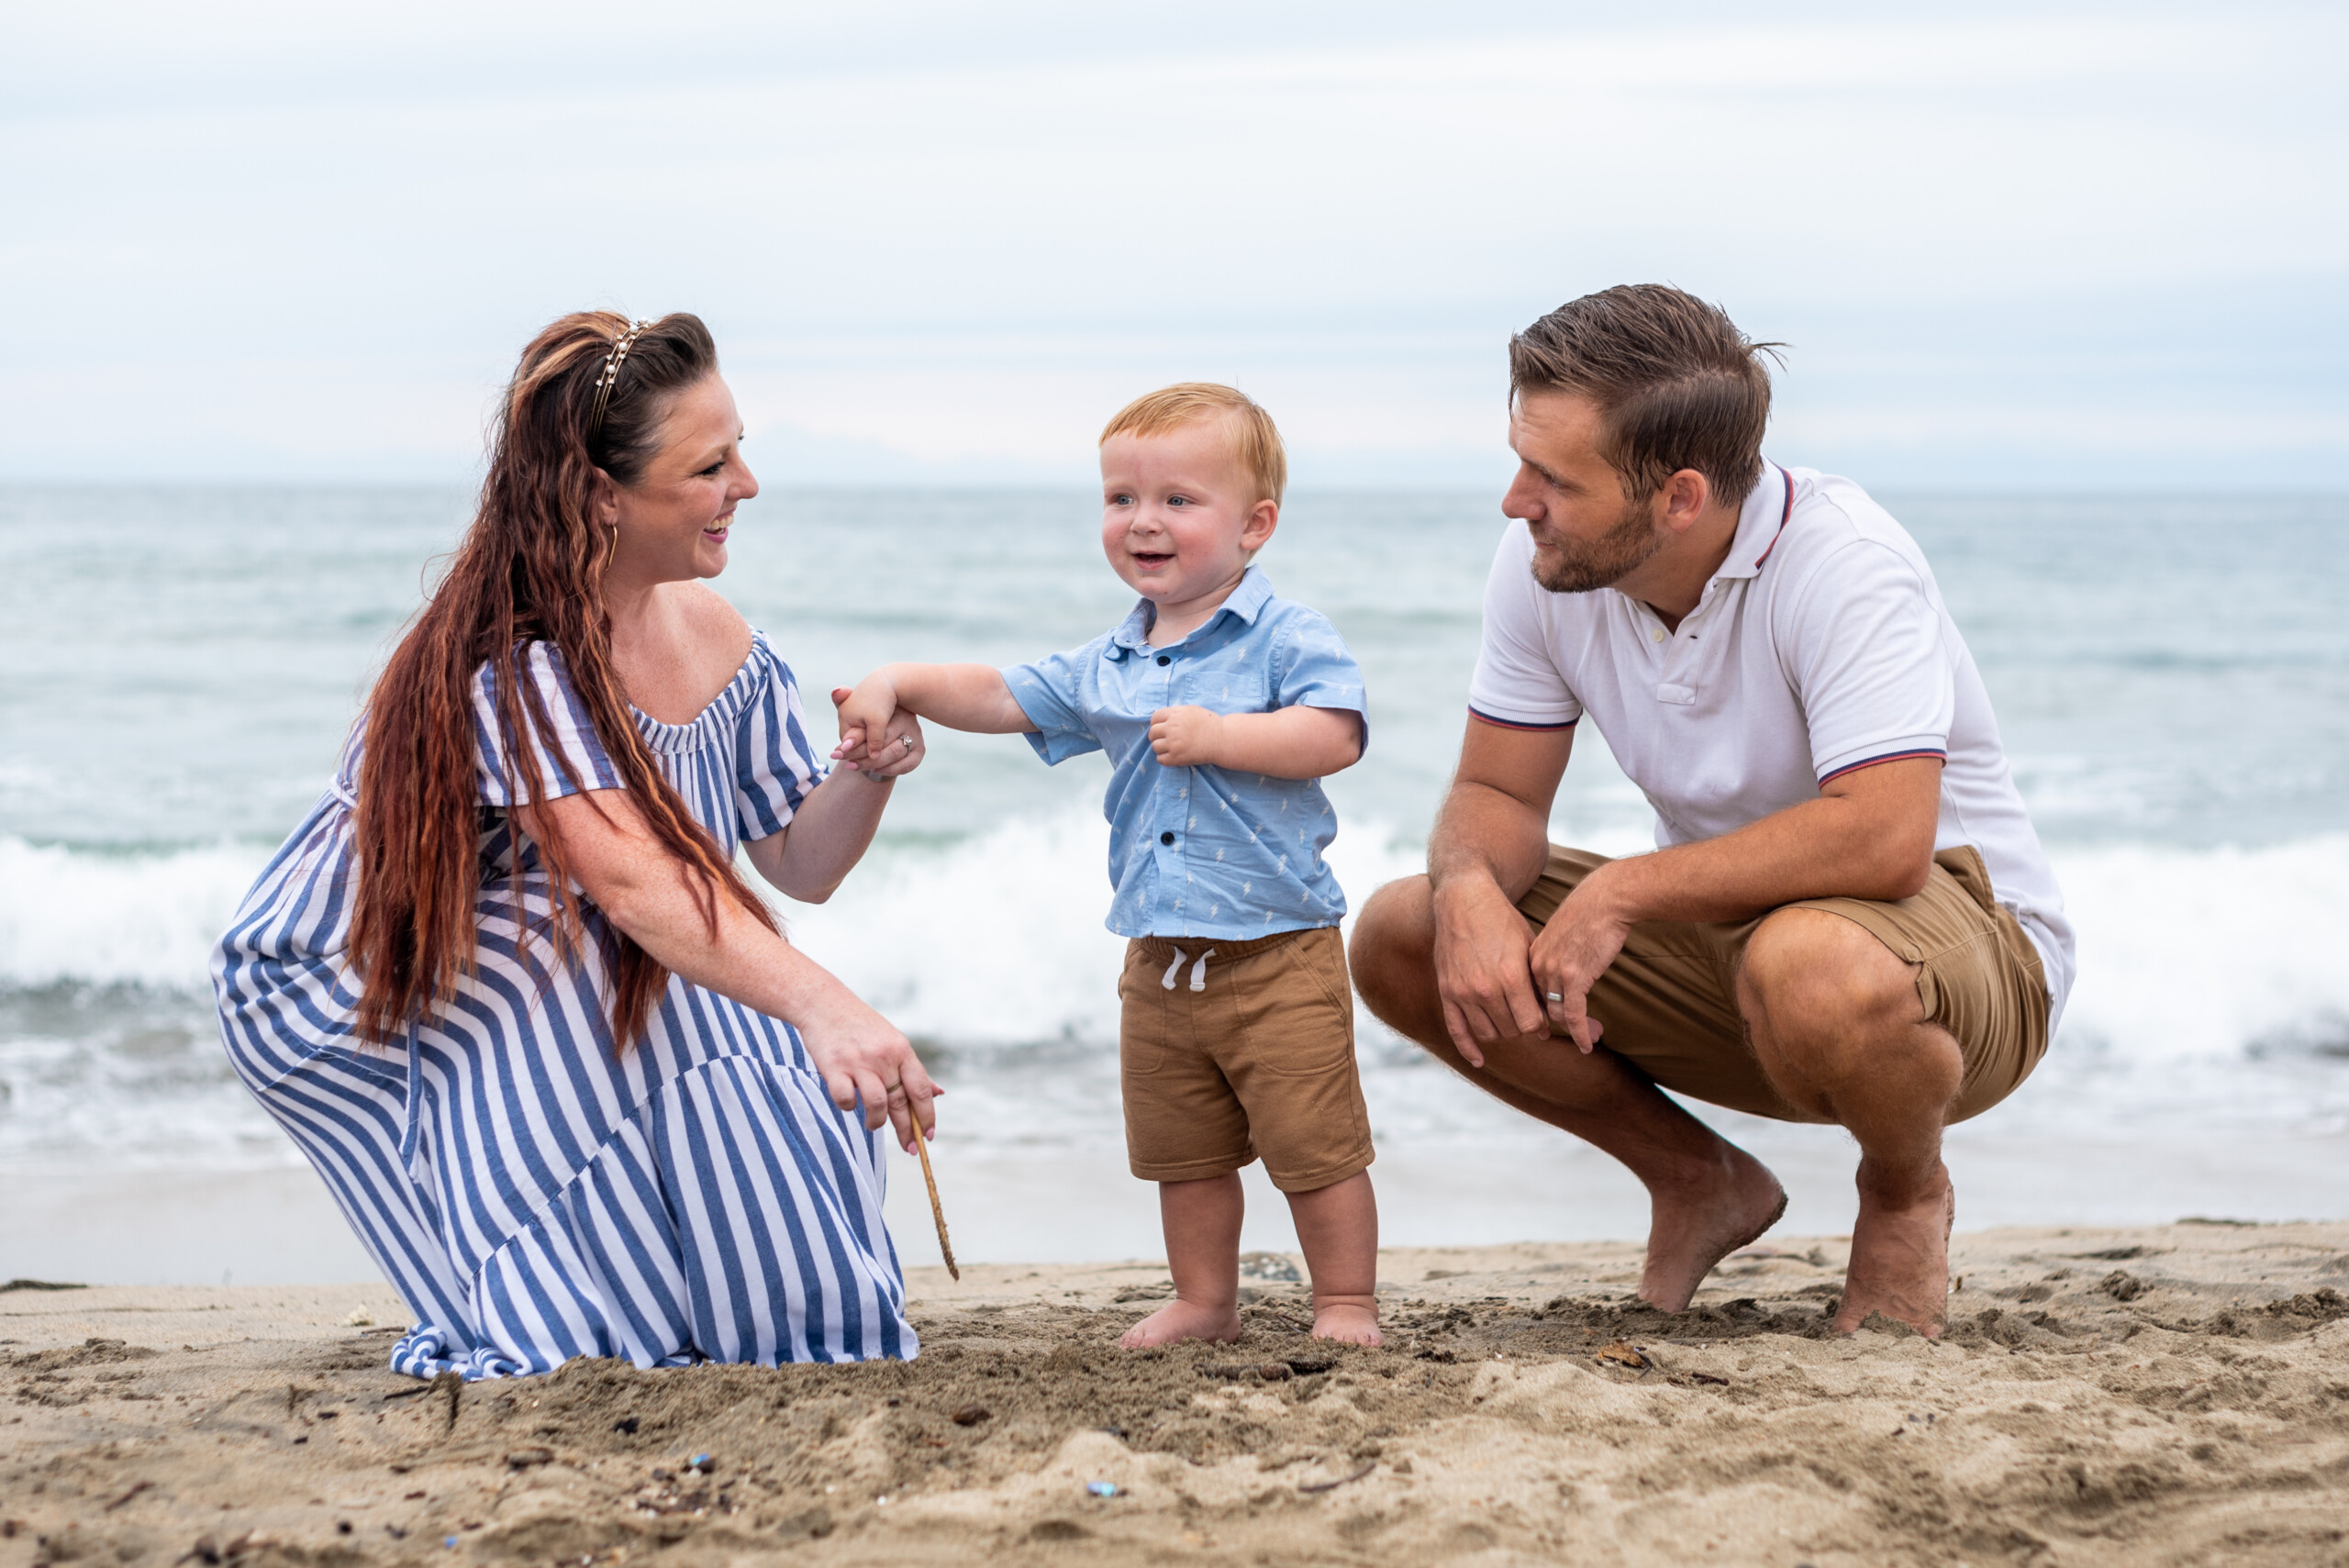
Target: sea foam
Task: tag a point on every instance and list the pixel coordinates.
(117, 919)
(998, 941)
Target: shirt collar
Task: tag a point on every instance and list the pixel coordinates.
(1759, 523)
(1247, 601)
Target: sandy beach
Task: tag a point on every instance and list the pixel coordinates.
(2175, 1394)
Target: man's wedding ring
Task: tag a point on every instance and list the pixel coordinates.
(1553, 995)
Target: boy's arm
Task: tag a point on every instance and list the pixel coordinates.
(961, 696)
(1289, 743)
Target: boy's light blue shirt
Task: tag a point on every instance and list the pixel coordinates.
(1202, 851)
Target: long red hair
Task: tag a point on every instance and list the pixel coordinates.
(530, 568)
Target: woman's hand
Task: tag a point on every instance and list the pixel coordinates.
(864, 712)
(898, 750)
(862, 1055)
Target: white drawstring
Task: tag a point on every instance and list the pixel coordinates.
(1198, 971)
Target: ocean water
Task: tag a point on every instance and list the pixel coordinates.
(178, 669)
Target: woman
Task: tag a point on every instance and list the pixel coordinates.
(505, 987)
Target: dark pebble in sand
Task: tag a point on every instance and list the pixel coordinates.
(523, 1458)
(627, 1424)
(970, 1415)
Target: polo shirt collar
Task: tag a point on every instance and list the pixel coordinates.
(1247, 601)
(1759, 522)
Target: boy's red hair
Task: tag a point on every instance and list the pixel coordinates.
(1255, 441)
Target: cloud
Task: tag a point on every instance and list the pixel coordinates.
(952, 249)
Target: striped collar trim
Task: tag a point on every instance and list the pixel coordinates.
(1762, 522)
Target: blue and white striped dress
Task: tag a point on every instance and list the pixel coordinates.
(532, 1194)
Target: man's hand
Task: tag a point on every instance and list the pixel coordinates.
(1482, 972)
(1572, 950)
(1489, 844)
(1187, 736)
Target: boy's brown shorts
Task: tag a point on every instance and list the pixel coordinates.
(1669, 1003)
(1258, 1058)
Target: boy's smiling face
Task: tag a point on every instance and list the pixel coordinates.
(1179, 517)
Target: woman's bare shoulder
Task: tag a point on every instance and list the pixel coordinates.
(714, 626)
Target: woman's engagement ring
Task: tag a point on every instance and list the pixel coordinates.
(1554, 996)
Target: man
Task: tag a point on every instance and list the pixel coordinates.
(1848, 917)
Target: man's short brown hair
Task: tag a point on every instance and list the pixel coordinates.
(1677, 384)
(1255, 443)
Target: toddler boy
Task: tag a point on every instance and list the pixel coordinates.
(1220, 707)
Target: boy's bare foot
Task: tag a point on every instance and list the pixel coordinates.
(1694, 1227)
(1179, 1320)
(1900, 1258)
(1347, 1324)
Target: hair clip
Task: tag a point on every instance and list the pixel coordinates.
(610, 376)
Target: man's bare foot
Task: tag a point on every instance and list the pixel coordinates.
(1691, 1229)
(1179, 1320)
(1900, 1259)
(1347, 1323)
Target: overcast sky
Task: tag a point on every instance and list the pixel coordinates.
(2051, 245)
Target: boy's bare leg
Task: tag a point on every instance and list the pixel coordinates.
(1202, 1223)
(1337, 1226)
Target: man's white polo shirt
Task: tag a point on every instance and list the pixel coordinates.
(1820, 647)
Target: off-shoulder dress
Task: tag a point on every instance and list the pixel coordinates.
(533, 1194)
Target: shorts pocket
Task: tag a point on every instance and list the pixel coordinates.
(1318, 960)
(1145, 1018)
(1296, 1028)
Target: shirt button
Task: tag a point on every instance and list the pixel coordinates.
(1166, 838)
(1166, 659)
(1656, 634)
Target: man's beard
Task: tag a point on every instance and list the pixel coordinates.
(1628, 543)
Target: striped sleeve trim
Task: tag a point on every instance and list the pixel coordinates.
(1479, 715)
(1937, 754)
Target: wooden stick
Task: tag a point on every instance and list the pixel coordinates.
(921, 1147)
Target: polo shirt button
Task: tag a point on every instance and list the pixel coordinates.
(1166, 659)
(1166, 838)
(1656, 634)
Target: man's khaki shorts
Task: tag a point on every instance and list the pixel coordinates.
(1251, 1055)
(1669, 1002)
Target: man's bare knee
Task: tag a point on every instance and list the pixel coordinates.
(1824, 997)
(1391, 953)
(1810, 970)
